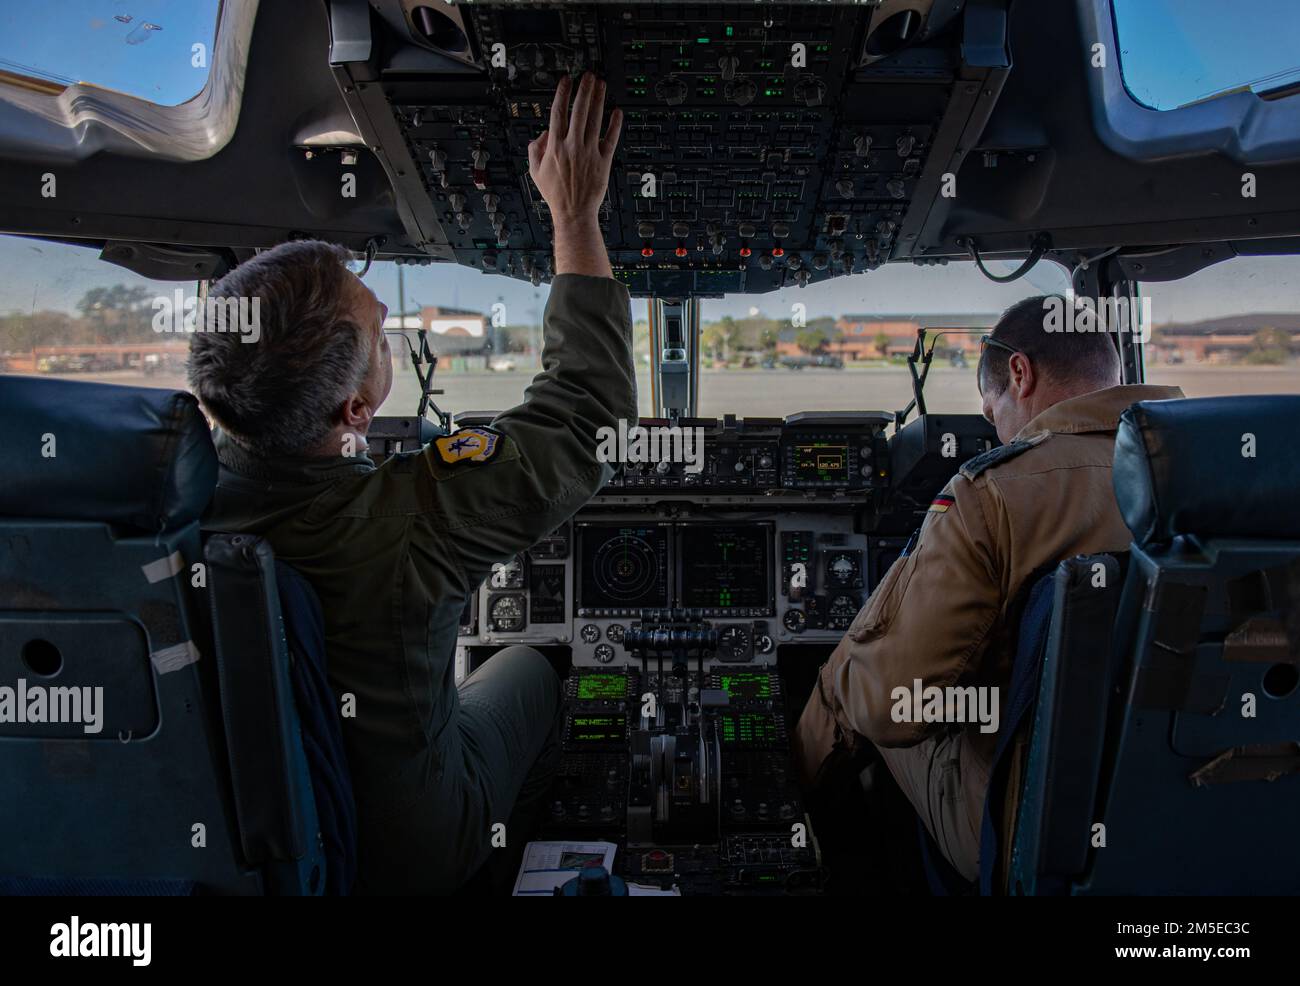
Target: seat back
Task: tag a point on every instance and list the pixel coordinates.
(1174, 766)
(1067, 726)
(124, 769)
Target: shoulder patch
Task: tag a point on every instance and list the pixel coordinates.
(469, 445)
(941, 503)
(1003, 453)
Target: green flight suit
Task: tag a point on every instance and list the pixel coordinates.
(394, 551)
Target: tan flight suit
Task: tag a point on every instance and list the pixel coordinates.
(944, 614)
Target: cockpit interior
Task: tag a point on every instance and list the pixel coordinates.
(817, 209)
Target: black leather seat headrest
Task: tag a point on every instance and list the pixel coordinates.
(1209, 466)
(133, 456)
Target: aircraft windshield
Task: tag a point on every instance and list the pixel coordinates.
(158, 50)
(843, 344)
(1230, 329)
(1175, 52)
(835, 345)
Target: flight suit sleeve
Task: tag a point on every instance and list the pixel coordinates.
(539, 464)
(930, 618)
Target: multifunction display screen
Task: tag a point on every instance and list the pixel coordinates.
(726, 569)
(624, 568)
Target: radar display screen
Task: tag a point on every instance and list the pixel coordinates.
(748, 729)
(624, 568)
(726, 570)
(821, 462)
(592, 730)
(593, 687)
(745, 686)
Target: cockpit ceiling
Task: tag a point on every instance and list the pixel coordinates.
(765, 145)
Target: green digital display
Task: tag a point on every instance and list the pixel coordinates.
(746, 685)
(597, 729)
(747, 729)
(598, 686)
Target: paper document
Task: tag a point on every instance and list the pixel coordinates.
(548, 865)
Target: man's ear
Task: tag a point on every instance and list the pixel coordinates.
(1021, 375)
(357, 412)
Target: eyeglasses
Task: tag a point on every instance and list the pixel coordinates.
(986, 341)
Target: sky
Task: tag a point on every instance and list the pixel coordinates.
(139, 47)
(1176, 51)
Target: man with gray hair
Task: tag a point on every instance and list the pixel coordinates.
(441, 774)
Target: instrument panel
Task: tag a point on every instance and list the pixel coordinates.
(784, 532)
(685, 614)
(762, 540)
(718, 569)
(764, 144)
(817, 451)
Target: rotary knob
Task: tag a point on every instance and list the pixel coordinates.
(671, 90)
(741, 91)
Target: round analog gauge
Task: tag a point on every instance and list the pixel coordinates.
(843, 569)
(614, 633)
(794, 620)
(733, 642)
(590, 633)
(604, 653)
(507, 614)
(763, 644)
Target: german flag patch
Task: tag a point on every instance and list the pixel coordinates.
(941, 503)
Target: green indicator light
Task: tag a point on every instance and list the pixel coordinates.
(702, 41)
(730, 30)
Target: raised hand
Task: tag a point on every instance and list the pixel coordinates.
(570, 165)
